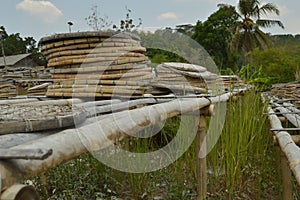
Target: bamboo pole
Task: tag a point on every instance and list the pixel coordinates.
(287, 192)
(201, 162)
(287, 145)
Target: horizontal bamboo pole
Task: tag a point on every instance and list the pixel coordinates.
(287, 145)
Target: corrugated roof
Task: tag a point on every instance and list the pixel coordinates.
(11, 60)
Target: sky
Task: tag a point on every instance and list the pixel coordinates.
(40, 18)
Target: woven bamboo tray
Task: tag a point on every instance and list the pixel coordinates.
(104, 51)
(105, 57)
(84, 68)
(91, 40)
(89, 34)
(108, 61)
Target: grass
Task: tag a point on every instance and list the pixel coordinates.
(243, 165)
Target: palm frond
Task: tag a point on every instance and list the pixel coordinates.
(248, 7)
(269, 8)
(262, 39)
(267, 23)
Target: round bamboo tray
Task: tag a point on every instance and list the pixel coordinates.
(137, 78)
(105, 57)
(93, 46)
(105, 51)
(102, 76)
(100, 60)
(76, 41)
(84, 68)
(88, 34)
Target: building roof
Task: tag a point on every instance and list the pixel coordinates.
(12, 60)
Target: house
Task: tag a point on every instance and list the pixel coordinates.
(20, 61)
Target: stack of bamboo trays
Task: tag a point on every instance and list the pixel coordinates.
(289, 91)
(7, 90)
(97, 64)
(7, 87)
(231, 81)
(183, 78)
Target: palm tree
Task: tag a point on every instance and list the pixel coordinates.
(247, 34)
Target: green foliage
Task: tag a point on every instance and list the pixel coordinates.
(172, 46)
(96, 22)
(14, 44)
(216, 33)
(187, 29)
(277, 63)
(241, 156)
(127, 24)
(249, 72)
(159, 56)
(247, 34)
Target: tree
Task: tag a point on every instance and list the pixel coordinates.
(248, 35)
(278, 63)
(127, 23)
(187, 29)
(96, 22)
(215, 35)
(14, 44)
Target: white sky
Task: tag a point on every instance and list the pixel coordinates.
(43, 18)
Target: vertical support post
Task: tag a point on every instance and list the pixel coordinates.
(201, 162)
(287, 191)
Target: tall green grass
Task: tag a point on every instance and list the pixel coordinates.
(240, 157)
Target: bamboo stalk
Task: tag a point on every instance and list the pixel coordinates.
(287, 145)
(201, 162)
(286, 178)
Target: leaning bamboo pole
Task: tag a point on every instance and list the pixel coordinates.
(287, 145)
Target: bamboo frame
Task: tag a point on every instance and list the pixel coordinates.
(287, 145)
(68, 144)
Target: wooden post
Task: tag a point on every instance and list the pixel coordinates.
(201, 162)
(287, 191)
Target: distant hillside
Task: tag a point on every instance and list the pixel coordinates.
(286, 40)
